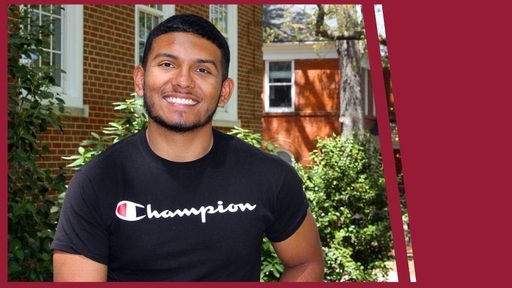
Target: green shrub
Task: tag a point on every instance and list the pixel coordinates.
(132, 118)
(31, 111)
(345, 186)
(254, 139)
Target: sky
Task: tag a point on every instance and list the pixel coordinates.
(379, 18)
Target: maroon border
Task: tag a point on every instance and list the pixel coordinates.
(438, 61)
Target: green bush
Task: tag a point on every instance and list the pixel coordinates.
(132, 118)
(31, 111)
(345, 186)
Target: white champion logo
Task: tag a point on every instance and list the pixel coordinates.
(127, 210)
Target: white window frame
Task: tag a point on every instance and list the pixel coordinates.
(73, 57)
(227, 116)
(299, 51)
(267, 88)
(71, 89)
(167, 11)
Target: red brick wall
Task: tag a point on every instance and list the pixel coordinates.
(317, 85)
(317, 106)
(201, 10)
(250, 59)
(316, 109)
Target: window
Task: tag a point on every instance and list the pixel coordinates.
(146, 18)
(279, 91)
(65, 50)
(52, 45)
(224, 17)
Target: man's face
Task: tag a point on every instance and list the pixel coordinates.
(182, 84)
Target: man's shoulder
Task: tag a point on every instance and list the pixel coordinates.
(118, 150)
(242, 149)
(236, 143)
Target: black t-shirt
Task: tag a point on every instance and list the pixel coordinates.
(150, 219)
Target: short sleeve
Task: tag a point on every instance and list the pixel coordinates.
(291, 207)
(80, 228)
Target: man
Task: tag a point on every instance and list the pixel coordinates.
(181, 201)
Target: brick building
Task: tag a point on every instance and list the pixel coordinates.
(311, 78)
(301, 89)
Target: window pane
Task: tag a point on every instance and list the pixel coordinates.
(45, 59)
(45, 20)
(280, 96)
(142, 31)
(156, 20)
(141, 50)
(280, 72)
(58, 63)
(45, 8)
(147, 24)
(49, 9)
(280, 77)
(219, 17)
(157, 7)
(280, 66)
(57, 9)
(57, 34)
(147, 21)
(52, 45)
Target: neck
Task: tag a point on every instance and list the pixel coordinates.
(179, 147)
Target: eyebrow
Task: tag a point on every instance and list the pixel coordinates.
(199, 60)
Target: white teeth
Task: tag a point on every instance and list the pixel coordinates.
(180, 101)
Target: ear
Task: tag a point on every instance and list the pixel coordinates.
(138, 80)
(226, 91)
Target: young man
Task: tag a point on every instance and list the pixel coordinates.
(181, 201)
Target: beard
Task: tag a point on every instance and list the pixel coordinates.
(181, 126)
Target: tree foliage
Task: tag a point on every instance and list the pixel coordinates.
(345, 186)
(31, 112)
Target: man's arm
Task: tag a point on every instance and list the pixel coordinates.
(69, 267)
(302, 254)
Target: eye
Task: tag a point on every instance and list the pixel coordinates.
(167, 65)
(203, 70)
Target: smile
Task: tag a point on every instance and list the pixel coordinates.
(182, 101)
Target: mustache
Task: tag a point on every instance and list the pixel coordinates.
(177, 91)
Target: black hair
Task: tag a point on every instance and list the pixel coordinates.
(190, 23)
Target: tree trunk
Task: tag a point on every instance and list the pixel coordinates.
(351, 106)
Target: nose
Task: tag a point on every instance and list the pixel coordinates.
(183, 78)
